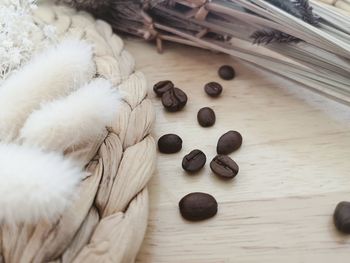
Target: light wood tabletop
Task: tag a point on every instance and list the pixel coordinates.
(294, 166)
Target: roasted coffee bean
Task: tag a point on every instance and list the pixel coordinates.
(194, 161)
(169, 143)
(198, 206)
(341, 217)
(174, 100)
(213, 89)
(229, 142)
(206, 117)
(162, 86)
(224, 167)
(226, 72)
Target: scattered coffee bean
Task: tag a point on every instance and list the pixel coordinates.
(229, 142)
(227, 72)
(162, 86)
(206, 117)
(224, 167)
(174, 100)
(341, 217)
(198, 206)
(213, 89)
(194, 161)
(169, 143)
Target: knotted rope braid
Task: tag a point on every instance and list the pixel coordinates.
(107, 221)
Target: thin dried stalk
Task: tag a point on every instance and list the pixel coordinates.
(308, 41)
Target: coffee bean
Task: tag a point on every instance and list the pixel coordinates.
(227, 72)
(213, 89)
(206, 117)
(174, 100)
(162, 86)
(198, 206)
(224, 167)
(169, 143)
(341, 217)
(194, 161)
(229, 142)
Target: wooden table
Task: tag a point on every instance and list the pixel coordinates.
(294, 166)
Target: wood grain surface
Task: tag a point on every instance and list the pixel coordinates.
(294, 166)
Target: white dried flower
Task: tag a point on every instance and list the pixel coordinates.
(49, 31)
(35, 184)
(53, 73)
(17, 29)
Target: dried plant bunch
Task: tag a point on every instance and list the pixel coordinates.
(91, 5)
(85, 112)
(67, 66)
(43, 184)
(49, 106)
(298, 8)
(75, 148)
(306, 41)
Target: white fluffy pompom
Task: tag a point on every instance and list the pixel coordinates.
(55, 72)
(34, 185)
(79, 118)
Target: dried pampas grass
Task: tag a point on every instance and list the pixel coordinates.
(53, 73)
(77, 119)
(34, 185)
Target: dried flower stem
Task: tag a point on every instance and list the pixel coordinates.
(320, 60)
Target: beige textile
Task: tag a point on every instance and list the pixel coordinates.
(108, 220)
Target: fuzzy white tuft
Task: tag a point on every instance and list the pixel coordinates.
(35, 185)
(79, 118)
(54, 73)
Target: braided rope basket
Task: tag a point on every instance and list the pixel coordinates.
(107, 221)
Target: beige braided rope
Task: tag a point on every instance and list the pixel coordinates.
(108, 220)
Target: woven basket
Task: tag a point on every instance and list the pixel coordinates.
(108, 220)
